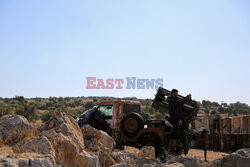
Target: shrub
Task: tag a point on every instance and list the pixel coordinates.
(217, 115)
(73, 113)
(207, 111)
(19, 98)
(77, 103)
(4, 109)
(95, 99)
(214, 112)
(46, 115)
(28, 111)
(159, 115)
(89, 104)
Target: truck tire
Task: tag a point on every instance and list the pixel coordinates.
(131, 124)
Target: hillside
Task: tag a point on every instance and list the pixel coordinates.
(40, 109)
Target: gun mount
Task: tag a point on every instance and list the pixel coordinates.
(190, 107)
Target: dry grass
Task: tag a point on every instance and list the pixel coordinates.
(6, 150)
(211, 155)
(194, 153)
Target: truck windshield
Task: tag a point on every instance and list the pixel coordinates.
(106, 110)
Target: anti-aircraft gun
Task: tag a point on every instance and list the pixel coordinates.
(190, 107)
(188, 113)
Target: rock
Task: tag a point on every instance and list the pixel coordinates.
(67, 140)
(168, 156)
(123, 157)
(119, 156)
(147, 151)
(244, 152)
(97, 140)
(66, 125)
(132, 150)
(36, 144)
(105, 159)
(176, 164)
(14, 128)
(107, 143)
(148, 165)
(121, 165)
(27, 160)
(239, 158)
(60, 142)
(187, 161)
(141, 161)
(88, 159)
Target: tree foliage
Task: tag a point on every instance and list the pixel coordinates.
(4, 109)
(89, 104)
(29, 111)
(46, 115)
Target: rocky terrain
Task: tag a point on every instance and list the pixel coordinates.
(61, 142)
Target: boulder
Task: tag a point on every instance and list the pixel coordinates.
(36, 144)
(27, 160)
(105, 159)
(148, 165)
(67, 140)
(239, 158)
(147, 151)
(13, 128)
(88, 159)
(97, 140)
(121, 165)
(123, 157)
(176, 164)
(132, 150)
(60, 123)
(187, 161)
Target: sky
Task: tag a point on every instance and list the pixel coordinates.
(48, 48)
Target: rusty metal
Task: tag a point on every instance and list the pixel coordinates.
(119, 111)
(129, 127)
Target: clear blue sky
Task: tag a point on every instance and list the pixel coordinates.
(48, 48)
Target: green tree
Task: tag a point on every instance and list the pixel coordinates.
(19, 98)
(67, 98)
(46, 116)
(221, 110)
(146, 109)
(28, 111)
(73, 113)
(214, 112)
(217, 115)
(151, 110)
(95, 99)
(159, 115)
(207, 111)
(77, 102)
(206, 103)
(89, 104)
(4, 109)
(60, 99)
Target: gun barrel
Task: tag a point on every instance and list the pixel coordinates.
(160, 102)
(168, 93)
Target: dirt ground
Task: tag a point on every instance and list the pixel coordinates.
(211, 155)
(194, 153)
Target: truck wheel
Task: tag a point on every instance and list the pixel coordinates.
(131, 124)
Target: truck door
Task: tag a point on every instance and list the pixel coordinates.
(107, 112)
